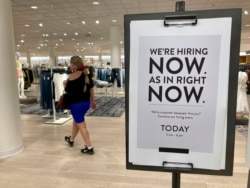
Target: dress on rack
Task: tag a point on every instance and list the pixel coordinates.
(242, 102)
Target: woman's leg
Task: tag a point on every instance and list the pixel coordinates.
(85, 133)
(74, 131)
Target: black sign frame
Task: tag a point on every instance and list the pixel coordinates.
(235, 14)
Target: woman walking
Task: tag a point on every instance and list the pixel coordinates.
(79, 86)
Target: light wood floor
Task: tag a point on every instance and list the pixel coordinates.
(48, 162)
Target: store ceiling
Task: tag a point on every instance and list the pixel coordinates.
(61, 17)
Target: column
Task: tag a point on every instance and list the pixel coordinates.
(115, 36)
(29, 60)
(52, 57)
(99, 59)
(10, 120)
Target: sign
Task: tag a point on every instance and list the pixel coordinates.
(179, 91)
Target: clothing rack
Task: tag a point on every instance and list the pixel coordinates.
(103, 74)
(243, 67)
(65, 117)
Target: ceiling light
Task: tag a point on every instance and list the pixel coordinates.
(22, 41)
(40, 24)
(246, 12)
(68, 23)
(97, 21)
(83, 22)
(26, 25)
(76, 33)
(114, 21)
(34, 7)
(65, 34)
(95, 3)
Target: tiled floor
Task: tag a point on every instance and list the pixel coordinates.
(48, 162)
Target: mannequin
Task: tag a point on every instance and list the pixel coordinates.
(242, 102)
(20, 78)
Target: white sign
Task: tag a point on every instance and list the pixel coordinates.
(178, 92)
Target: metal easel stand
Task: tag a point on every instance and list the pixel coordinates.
(178, 167)
(176, 179)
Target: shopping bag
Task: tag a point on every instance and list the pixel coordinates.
(63, 102)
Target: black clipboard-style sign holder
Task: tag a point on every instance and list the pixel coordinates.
(180, 18)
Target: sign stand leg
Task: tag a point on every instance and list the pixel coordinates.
(176, 174)
(248, 181)
(176, 180)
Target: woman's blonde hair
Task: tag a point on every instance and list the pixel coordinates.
(76, 60)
